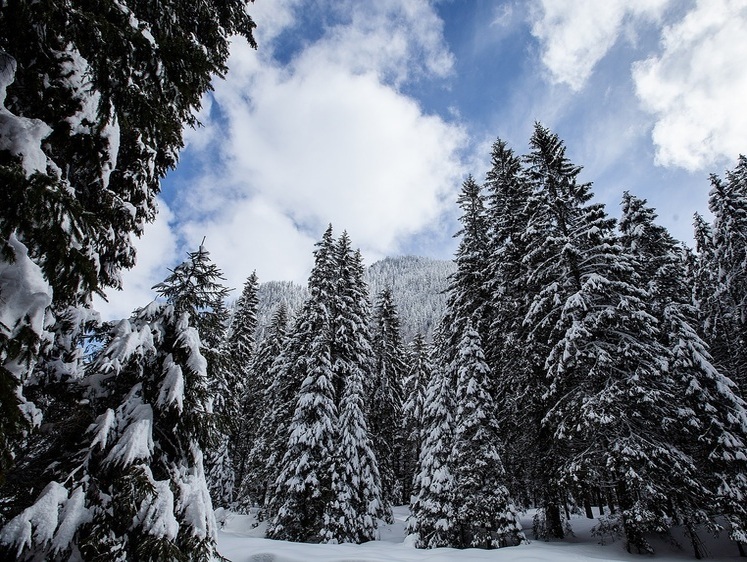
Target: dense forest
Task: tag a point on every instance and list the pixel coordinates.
(580, 363)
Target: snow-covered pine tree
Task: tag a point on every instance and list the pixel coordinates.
(242, 393)
(86, 141)
(432, 507)
(280, 397)
(24, 298)
(414, 386)
(251, 472)
(514, 382)
(468, 295)
(712, 418)
(726, 309)
(358, 502)
(507, 195)
(357, 505)
(704, 277)
(54, 389)
(195, 287)
(139, 489)
(484, 514)
(385, 410)
(608, 395)
(303, 489)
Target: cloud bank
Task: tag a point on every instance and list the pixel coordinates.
(693, 83)
(298, 137)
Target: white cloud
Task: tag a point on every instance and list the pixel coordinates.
(326, 137)
(155, 253)
(696, 87)
(576, 34)
(253, 235)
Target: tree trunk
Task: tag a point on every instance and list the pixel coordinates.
(553, 520)
(587, 507)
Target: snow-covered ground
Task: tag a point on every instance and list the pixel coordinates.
(241, 540)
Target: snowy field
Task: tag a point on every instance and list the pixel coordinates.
(241, 540)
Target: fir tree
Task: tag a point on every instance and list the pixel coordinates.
(414, 386)
(83, 84)
(484, 514)
(303, 488)
(432, 507)
(468, 290)
(514, 383)
(195, 287)
(385, 412)
(138, 490)
(360, 502)
(243, 394)
(726, 307)
(251, 471)
(712, 418)
(608, 397)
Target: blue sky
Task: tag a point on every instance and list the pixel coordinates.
(369, 115)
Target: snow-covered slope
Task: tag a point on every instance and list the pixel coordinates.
(417, 285)
(241, 541)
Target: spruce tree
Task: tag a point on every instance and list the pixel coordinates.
(82, 88)
(726, 307)
(385, 411)
(414, 386)
(468, 295)
(303, 488)
(712, 421)
(484, 514)
(361, 501)
(137, 489)
(242, 394)
(608, 395)
(251, 472)
(515, 381)
(195, 287)
(432, 507)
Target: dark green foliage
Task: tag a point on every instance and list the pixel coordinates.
(385, 410)
(723, 264)
(88, 81)
(419, 373)
(485, 516)
(328, 488)
(96, 73)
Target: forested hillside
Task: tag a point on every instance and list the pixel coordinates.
(418, 287)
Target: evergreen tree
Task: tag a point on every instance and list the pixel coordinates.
(138, 488)
(81, 88)
(432, 507)
(514, 383)
(280, 397)
(303, 489)
(607, 395)
(414, 386)
(726, 309)
(251, 470)
(357, 505)
(468, 289)
(485, 516)
(195, 287)
(712, 418)
(242, 394)
(328, 488)
(360, 502)
(385, 412)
